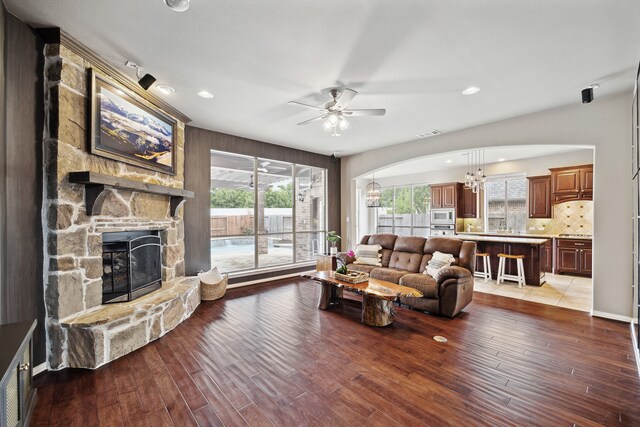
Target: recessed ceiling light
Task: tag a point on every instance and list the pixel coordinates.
(166, 89)
(177, 5)
(448, 161)
(471, 90)
(501, 160)
(204, 94)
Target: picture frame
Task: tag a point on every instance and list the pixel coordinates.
(127, 128)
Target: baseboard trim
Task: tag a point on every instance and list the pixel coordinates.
(39, 369)
(268, 279)
(634, 340)
(611, 316)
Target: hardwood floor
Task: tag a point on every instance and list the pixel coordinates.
(266, 355)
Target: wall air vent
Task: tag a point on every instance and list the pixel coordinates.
(428, 134)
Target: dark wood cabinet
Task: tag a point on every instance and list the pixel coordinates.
(436, 196)
(546, 257)
(572, 183)
(449, 196)
(17, 394)
(469, 203)
(540, 196)
(573, 256)
(446, 195)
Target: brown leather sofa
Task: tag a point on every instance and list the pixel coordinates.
(404, 259)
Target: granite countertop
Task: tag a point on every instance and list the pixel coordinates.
(503, 239)
(523, 235)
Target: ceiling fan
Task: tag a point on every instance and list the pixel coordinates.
(334, 112)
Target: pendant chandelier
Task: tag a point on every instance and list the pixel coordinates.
(475, 180)
(373, 193)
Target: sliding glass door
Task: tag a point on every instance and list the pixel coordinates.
(265, 213)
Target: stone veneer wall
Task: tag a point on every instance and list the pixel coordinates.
(73, 252)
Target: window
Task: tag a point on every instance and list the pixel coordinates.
(265, 213)
(404, 210)
(506, 203)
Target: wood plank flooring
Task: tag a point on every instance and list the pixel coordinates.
(266, 356)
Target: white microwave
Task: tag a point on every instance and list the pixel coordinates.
(443, 216)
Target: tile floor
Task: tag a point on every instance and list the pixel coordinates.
(560, 290)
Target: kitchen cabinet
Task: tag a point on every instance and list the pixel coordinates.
(447, 195)
(572, 183)
(546, 257)
(574, 256)
(17, 394)
(436, 196)
(540, 196)
(469, 203)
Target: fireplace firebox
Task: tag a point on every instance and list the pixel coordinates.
(131, 265)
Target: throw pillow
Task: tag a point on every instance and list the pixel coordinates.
(438, 261)
(368, 255)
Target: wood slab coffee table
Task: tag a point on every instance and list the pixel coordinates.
(377, 296)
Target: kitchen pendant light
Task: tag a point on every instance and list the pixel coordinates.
(373, 193)
(475, 162)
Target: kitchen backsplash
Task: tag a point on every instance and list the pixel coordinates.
(568, 218)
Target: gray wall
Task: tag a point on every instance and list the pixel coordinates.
(198, 145)
(604, 124)
(21, 129)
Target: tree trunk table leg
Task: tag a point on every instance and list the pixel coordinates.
(377, 311)
(330, 294)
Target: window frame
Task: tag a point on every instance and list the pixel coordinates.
(322, 229)
(505, 178)
(412, 227)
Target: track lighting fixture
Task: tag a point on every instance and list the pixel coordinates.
(145, 81)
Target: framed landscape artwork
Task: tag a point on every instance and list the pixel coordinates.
(126, 128)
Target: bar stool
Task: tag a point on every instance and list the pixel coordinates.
(515, 278)
(486, 263)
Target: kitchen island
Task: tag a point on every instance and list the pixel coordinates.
(531, 248)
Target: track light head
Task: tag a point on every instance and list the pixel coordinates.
(146, 81)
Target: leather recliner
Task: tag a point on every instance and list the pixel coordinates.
(405, 258)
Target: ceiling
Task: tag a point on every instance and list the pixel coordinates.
(459, 159)
(412, 57)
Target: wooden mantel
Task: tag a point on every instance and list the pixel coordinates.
(96, 183)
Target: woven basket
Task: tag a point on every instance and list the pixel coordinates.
(212, 292)
(352, 277)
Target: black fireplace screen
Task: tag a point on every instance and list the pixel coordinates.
(131, 265)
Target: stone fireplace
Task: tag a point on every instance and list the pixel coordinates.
(81, 331)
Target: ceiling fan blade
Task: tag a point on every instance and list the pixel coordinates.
(365, 112)
(346, 97)
(300, 104)
(306, 122)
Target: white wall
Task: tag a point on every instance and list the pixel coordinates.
(604, 124)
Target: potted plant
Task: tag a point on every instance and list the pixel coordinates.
(333, 238)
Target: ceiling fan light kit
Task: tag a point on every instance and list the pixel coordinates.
(334, 112)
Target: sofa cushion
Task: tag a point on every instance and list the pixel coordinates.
(361, 267)
(387, 241)
(405, 261)
(411, 244)
(447, 245)
(388, 274)
(422, 282)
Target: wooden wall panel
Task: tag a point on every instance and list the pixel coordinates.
(21, 288)
(198, 144)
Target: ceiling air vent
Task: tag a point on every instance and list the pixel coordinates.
(428, 134)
